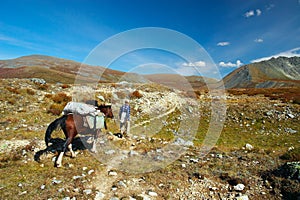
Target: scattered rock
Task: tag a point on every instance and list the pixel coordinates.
(38, 80)
(152, 194)
(23, 193)
(91, 171)
(77, 177)
(122, 184)
(239, 187)
(84, 168)
(76, 190)
(99, 195)
(60, 190)
(249, 147)
(112, 173)
(55, 181)
(87, 191)
(243, 197)
(289, 130)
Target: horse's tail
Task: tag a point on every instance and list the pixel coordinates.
(53, 126)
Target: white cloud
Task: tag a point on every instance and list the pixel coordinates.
(258, 12)
(249, 13)
(230, 64)
(258, 40)
(194, 68)
(222, 44)
(252, 13)
(289, 53)
(195, 64)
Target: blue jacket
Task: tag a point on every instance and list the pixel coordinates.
(125, 108)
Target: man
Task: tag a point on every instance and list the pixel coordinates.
(124, 116)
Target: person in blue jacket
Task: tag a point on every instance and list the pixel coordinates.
(124, 116)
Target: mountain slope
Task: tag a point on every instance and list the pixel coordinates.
(54, 70)
(180, 82)
(276, 72)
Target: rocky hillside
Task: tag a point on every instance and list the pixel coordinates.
(256, 155)
(276, 72)
(55, 70)
(186, 83)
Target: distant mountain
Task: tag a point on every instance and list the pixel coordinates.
(55, 70)
(276, 72)
(181, 82)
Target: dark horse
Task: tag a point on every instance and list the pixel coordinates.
(72, 124)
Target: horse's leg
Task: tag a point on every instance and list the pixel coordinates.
(67, 144)
(60, 157)
(73, 155)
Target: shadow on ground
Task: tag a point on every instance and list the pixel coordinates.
(79, 143)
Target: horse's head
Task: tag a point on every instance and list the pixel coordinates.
(106, 109)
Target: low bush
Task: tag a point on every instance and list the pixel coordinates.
(61, 98)
(30, 91)
(136, 94)
(42, 86)
(13, 90)
(56, 109)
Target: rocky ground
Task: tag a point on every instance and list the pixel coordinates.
(256, 156)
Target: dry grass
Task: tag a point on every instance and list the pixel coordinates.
(31, 176)
(283, 94)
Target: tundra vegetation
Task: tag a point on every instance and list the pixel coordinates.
(256, 156)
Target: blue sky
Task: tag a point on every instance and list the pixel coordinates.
(232, 32)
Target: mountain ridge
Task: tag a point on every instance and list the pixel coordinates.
(275, 72)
